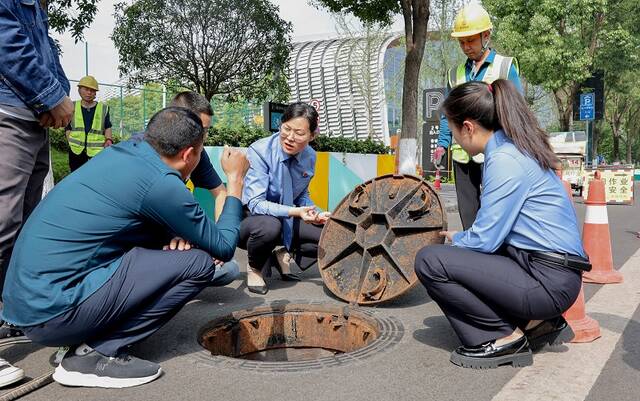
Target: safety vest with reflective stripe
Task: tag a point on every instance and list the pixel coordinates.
(457, 76)
(94, 139)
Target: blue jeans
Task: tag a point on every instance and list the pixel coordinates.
(145, 292)
(225, 274)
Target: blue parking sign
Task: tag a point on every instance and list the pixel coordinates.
(587, 106)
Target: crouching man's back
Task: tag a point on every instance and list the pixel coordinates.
(91, 253)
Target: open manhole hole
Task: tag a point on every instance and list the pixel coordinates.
(299, 335)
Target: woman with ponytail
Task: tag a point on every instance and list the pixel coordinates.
(506, 281)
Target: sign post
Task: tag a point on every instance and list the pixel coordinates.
(588, 113)
(432, 101)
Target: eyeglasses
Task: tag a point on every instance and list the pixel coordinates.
(296, 135)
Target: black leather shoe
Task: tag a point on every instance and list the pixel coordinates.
(554, 331)
(490, 356)
(281, 266)
(258, 289)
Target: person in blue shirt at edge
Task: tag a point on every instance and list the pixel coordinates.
(34, 96)
(276, 198)
(472, 27)
(506, 281)
(89, 271)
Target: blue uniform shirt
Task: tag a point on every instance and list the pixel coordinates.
(521, 205)
(444, 137)
(75, 239)
(262, 185)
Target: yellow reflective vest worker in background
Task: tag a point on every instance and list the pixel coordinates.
(498, 68)
(93, 140)
(90, 128)
(472, 29)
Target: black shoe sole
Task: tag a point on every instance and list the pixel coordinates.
(262, 290)
(5, 342)
(554, 338)
(518, 360)
(289, 277)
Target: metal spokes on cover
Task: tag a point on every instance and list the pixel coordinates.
(368, 247)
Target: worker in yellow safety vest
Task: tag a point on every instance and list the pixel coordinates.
(472, 28)
(90, 128)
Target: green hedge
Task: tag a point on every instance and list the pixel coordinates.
(58, 140)
(237, 137)
(246, 135)
(346, 145)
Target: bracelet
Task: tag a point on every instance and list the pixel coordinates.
(108, 139)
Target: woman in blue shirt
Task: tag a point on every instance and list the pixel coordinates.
(276, 195)
(505, 282)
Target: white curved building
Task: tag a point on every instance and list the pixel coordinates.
(345, 80)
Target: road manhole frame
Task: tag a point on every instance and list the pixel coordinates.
(391, 331)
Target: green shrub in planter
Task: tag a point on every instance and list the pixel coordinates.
(348, 145)
(244, 136)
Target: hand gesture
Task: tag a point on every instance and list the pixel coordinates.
(448, 234)
(322, 217)
(178, 243)
(437, 156)
(59, 116)
(234, 163)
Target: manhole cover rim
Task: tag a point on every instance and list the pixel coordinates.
(390, 330)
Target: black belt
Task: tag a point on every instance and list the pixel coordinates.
(563, 259)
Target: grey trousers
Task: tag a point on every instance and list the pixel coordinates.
(24, 163)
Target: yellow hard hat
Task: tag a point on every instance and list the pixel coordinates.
(89, 82)
(471, 20)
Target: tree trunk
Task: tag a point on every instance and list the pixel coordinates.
(616, 146)
(564, 103)
(629, 147)
(416, 18)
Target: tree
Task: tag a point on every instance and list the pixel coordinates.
(71, 15)
(556, 42)
(618, 59)
(234, 48)
(416, 18)
(443, 52)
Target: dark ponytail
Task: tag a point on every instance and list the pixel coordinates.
(497, 106)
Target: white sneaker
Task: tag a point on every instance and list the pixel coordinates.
(9, 374)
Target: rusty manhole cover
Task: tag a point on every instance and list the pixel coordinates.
(367, 249)
(295, 337)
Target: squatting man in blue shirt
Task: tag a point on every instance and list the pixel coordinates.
(88, 270)
(506, 280)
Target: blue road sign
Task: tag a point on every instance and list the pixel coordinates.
(587, 106)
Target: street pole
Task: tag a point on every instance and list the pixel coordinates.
(121, 113)
(86, 58)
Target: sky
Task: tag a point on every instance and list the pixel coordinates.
(308, 22)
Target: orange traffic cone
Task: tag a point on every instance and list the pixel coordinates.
(596, 237)
(436, 183)
(584, 327)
